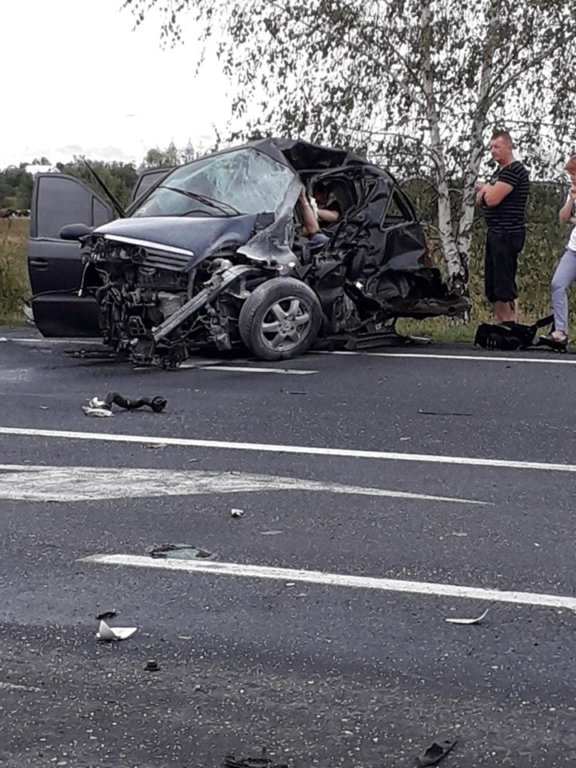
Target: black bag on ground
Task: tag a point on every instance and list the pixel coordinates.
(509, 336)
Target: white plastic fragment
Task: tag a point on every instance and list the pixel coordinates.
(477, 620)
(97, 407)
(95, 402)
(106, 632)
(96, 411)
(237, 512)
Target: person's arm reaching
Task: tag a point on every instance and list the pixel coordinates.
(311, 226)
(566, 215)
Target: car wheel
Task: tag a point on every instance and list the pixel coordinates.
(280, 319)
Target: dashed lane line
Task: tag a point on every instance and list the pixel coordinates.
(336, 580)
(252, 369)
(296, 449)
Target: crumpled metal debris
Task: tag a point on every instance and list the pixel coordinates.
(435, 752)
(181, 552)
(231, 761)
(98, 407)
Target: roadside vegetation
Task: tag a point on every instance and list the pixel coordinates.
(14, 285)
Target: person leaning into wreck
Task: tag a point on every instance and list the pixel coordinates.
(503, 202)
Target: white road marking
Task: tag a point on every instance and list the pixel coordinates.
(14, 687)
(484, 358)
(72, 484)
(69, 340)
(424, 458)
(253, 369)
(336, 580)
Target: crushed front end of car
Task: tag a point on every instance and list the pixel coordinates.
(175, 274)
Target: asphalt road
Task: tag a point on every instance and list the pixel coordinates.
(397, 489)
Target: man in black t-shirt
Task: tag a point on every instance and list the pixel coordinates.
(503, 201)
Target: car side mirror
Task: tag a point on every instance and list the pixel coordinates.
(74, 231)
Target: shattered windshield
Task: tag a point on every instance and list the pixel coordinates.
(241, 181)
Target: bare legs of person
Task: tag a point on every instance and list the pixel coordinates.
(506, 311)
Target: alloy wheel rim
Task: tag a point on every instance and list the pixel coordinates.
(286, 324)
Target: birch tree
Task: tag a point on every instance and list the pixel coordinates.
(417, 84)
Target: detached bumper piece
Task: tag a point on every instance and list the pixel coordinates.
(97, 407)
(436, 752)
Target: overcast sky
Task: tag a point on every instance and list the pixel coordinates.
(78, 79)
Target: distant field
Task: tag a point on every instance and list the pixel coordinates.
(14, 285)
(543, 248)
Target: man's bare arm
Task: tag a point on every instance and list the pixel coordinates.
(327, 214)
(493, 194)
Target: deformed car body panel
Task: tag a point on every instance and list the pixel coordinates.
(185, 241)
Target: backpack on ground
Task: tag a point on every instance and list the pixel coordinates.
(508, 336)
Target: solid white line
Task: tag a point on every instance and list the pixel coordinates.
(68, 340)
(336, 580)
(248, 369)
(484, 358)
(298, 449)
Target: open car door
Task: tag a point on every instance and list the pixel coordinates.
(54, 265)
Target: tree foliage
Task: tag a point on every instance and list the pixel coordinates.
(416, 84)
(16, 182)
(15, 188)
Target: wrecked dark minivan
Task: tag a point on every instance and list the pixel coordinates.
(212, 254)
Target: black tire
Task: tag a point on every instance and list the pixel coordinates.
(280, 319)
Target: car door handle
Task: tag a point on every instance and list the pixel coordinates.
(39, 263)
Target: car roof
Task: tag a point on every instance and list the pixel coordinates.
(303, 155)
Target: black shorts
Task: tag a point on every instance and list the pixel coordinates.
(501, 263)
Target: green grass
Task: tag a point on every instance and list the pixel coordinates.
(14, 284)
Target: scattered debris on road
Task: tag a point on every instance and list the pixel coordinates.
(106, 615)
(237, 512)
(231, 761)
(477, 620)
(436, 751)
(109, 634)
(98, 407)
(181, 552)
(152, 666)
